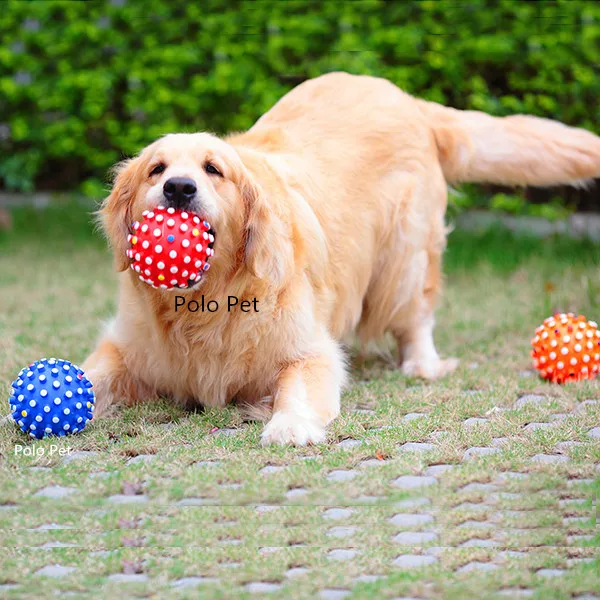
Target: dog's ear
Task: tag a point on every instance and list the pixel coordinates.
(269, 245)
(116, 211)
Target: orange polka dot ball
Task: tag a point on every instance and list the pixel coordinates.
(170, 248)
(566, 348)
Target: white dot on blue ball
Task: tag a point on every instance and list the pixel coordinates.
(68, 394)
(20, 397)
(67, 411)
(32, 403)
(38, 419)
(79, 391)
(78, 405)
(54, 371)
(43, 393)
(65, 367)
(55, 419)
(32, 426)
(42, 378)
(20, 423)
(48, 430)
(46, 409)
(30, 387)
(30, 374)
(57, 401)
(66, 426)
(80, 419)
(68, 379)
(56, 384)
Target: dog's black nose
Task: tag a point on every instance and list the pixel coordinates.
(179, 191)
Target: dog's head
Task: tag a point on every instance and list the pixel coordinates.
(205, 175)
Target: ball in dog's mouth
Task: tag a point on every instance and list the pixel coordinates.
(170, 249)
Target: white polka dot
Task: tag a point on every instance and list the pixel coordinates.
(145, 244)
(586, 358)
(577, 347)
(38, 419)
(552, 355)
(173, 254)
(67, 411)
(158, 248)
(185, 243)
(196, 220)
(144, 227)
(170, 222)
(564, 351)
(79, 419)
(56, 384)
(161, 265)
(187, 259)
(163, 286)
(566, 339)
(48, 430)
(573, 361)
(174, 270)
(198, 247)
(184, 215)
(137, 268)
(560, 365)
(173, 281)
(78, 405)
(30, 387)
(159, 218)
(46, 409)
(43, 393)
(192, 276)
(198, 264)
(55, 419)
(66, 426)
(183, 227)
(148, 260)
(32, 403)
(57, 401)
(205, 235)
(157, 232)
(69, 394)
(137, 256)
(32, 426)
(171, 210)
(184, 274)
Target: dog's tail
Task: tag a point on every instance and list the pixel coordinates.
(515, 150)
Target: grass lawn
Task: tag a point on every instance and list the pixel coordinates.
(483, 484)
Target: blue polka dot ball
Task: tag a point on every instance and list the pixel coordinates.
(51, 397)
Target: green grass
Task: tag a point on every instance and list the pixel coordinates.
(58, 287)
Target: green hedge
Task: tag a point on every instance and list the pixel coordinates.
(83, 84)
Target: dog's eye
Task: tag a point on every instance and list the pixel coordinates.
(212, 170)
(158, 169)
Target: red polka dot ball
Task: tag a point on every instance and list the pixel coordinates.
(170, 248)
(566, 348)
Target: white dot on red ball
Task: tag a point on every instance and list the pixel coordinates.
(159, 218)
(198, 247)
(183, 227)
(137, 268)
(136, 225)
(196, 220)
(174, 270)
(145, 244)
(161, 265)
(192, 276)
(137, 256)
(205, 235)
(148, 260)
(173, 254)
(147, 272)
(187, 259)
(158, 248)
(173, 282)
(184, 215)
(185, 273)
(150, 215)
(145, 213)
(157, 232)
(163, 286)
(198, 264)
(171, 210)
(185, 243)
(144, 227)
(170, 222)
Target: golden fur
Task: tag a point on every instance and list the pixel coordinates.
(331, 213)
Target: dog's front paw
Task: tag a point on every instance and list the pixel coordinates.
(429, 369)
(290, 428)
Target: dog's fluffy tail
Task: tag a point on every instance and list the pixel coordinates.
(515, 150)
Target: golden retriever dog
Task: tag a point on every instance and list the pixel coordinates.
(329, 212)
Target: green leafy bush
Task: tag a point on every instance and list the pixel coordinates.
(83, 84)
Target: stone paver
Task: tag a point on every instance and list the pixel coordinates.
(127, 499)
(413, 416)
(436, 470)
(269, 469)
(413, 502)
(341, 475)
(333, 594)
(415, 538)
(417, 447)
(296, 493)
(594, 432)
(477, 566)
(531, 400)
(193, 581)
(79, 455)
(54, 571)
(337, 513)
(371, 462)
(262, 587)
(566, 447)
(412, 561)
(56, 492)
(195, 501)
(550, 459)
(295, 572)
(479, 543)
(475, 421)
(349, 443)
(409, 482)
(538, 426)
(128, 578)
(550, 572)
(342, 554)
(477, 451)
(141, 459)
(410, 520)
